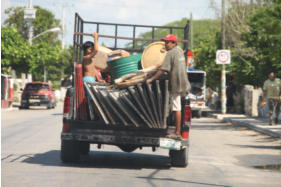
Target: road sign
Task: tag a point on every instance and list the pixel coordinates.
(223, 57)
(29, 13)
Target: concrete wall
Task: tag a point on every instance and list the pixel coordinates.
(247, 101)
(252, 100)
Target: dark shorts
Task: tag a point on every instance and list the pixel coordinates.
(273, 105)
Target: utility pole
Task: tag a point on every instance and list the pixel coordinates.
(64, 5)
(63, 28)
(191, 33)
(45, 73)
(223, 76)
(29, 16)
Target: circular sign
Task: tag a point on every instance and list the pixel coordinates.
(223, 57)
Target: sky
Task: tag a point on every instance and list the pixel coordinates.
(141, 12)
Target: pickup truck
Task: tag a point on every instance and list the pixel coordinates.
(197, 94)
(38, 94)
(134, 117)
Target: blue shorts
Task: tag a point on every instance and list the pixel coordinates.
(89, 79)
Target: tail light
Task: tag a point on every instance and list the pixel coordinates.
(65, 127)
(11, 94)
(66, 110)
(66, 107)
(187, 122)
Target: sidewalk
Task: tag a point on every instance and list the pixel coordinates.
(255, 123)
(14, 106)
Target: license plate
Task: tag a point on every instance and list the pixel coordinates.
(172, 144)
(34, 100)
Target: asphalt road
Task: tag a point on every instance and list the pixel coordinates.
(220, 155)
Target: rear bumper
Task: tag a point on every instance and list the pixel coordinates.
(117, 139)
(38, 102)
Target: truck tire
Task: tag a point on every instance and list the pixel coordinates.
(84, 148)
(128, 148)
(24, 107)
(49, 106)
(192, 114)
(199, 114)
(69, 151)
(179, 158)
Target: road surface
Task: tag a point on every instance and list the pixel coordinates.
(219, 155)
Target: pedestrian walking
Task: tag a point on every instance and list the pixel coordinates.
(174, 65)
(272, 92)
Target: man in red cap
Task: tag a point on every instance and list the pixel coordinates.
(174, 65)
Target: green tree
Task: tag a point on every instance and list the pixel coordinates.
(45, 51)
(45, 56)
(205, 49)
(205, 43)
(43, 21)
(264, 37)
(160, 33)
(15, 53)
(65, 59)
(16, 19)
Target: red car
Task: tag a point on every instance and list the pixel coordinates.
(38, 94)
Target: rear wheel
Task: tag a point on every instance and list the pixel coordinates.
(70, 151)
(199, 114)
(128, 148)
(84, 148)
(24, 107)
(49, 106)
(179, 158)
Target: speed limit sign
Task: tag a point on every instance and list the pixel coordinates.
(223, 57)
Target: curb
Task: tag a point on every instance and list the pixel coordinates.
(249, 126)
(9, 109)
(13, 107)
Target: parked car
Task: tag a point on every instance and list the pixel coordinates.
(38, 94)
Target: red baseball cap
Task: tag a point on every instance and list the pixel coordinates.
(189, 53)
(170, 37)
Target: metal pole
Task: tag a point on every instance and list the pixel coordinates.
(45, 76)
(191, 33)
(223, 79)
(62, 38)
(223, 90)
(30, 4)
(30, 32)
(125, 38)
(30, 27)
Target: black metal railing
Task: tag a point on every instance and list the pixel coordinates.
(80, 24)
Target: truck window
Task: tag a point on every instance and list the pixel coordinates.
(37, 86)
(196, 82)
